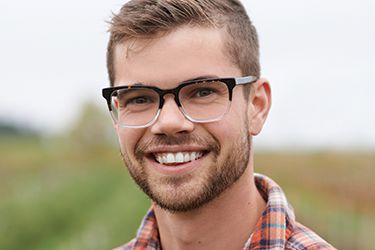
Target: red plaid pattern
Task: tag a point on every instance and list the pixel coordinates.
(276, 229)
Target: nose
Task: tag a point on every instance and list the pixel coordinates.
(171, 120)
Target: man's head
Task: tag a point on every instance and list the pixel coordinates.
(147, 19)
(180, 164)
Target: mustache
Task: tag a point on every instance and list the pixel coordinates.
(211, 143)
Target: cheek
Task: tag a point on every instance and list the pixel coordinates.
(231, 128)
(235, 120)
(128, 139)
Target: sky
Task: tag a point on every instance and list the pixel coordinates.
(319, 57)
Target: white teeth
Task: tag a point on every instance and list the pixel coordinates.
(178, 157)
(159, 158)
(186, 157)
(170, 158)
(193, 156)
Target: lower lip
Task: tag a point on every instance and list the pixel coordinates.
(178, 169)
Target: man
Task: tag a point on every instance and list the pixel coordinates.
(186, 98)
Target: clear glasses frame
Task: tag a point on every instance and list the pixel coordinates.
(107, 93)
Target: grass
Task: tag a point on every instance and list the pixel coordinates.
(59, 196)
(55, 198)
(332, 193)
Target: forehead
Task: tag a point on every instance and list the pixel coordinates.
(185, 53)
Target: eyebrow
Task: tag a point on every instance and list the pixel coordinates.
(201, 78)
(188, 80)
(138, 84)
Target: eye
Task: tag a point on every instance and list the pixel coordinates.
(137, 97)
(203, 92)
(139, 100)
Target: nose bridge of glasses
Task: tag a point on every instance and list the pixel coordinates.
(168, 92)
(172, 111)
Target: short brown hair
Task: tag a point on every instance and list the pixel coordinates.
(142, 19)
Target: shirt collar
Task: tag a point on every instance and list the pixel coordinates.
(277, 221)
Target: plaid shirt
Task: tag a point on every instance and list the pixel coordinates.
(276, 229)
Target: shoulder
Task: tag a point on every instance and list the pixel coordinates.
(127, 246)
(304, 238)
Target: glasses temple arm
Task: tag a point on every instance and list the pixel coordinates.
(245, 80)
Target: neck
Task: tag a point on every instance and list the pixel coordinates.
(224, 223)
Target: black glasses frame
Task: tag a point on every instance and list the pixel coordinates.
(230, 82)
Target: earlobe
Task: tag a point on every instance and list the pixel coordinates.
(260, 104)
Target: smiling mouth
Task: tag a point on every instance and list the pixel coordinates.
(177, 157)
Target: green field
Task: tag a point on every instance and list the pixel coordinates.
(61, 195)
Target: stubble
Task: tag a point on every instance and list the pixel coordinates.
(182, 196)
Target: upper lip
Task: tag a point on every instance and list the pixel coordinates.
(175, 149)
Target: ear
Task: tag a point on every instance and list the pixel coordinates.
(259, 105)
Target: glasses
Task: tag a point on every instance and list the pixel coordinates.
(204, 100)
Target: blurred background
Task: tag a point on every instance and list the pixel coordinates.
(62, 181)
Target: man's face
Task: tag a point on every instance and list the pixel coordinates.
(214, 154)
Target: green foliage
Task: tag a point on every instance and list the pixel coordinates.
(63, 199)
(92, 130)
(9, 129)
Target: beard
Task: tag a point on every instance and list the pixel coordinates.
(191, 191)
